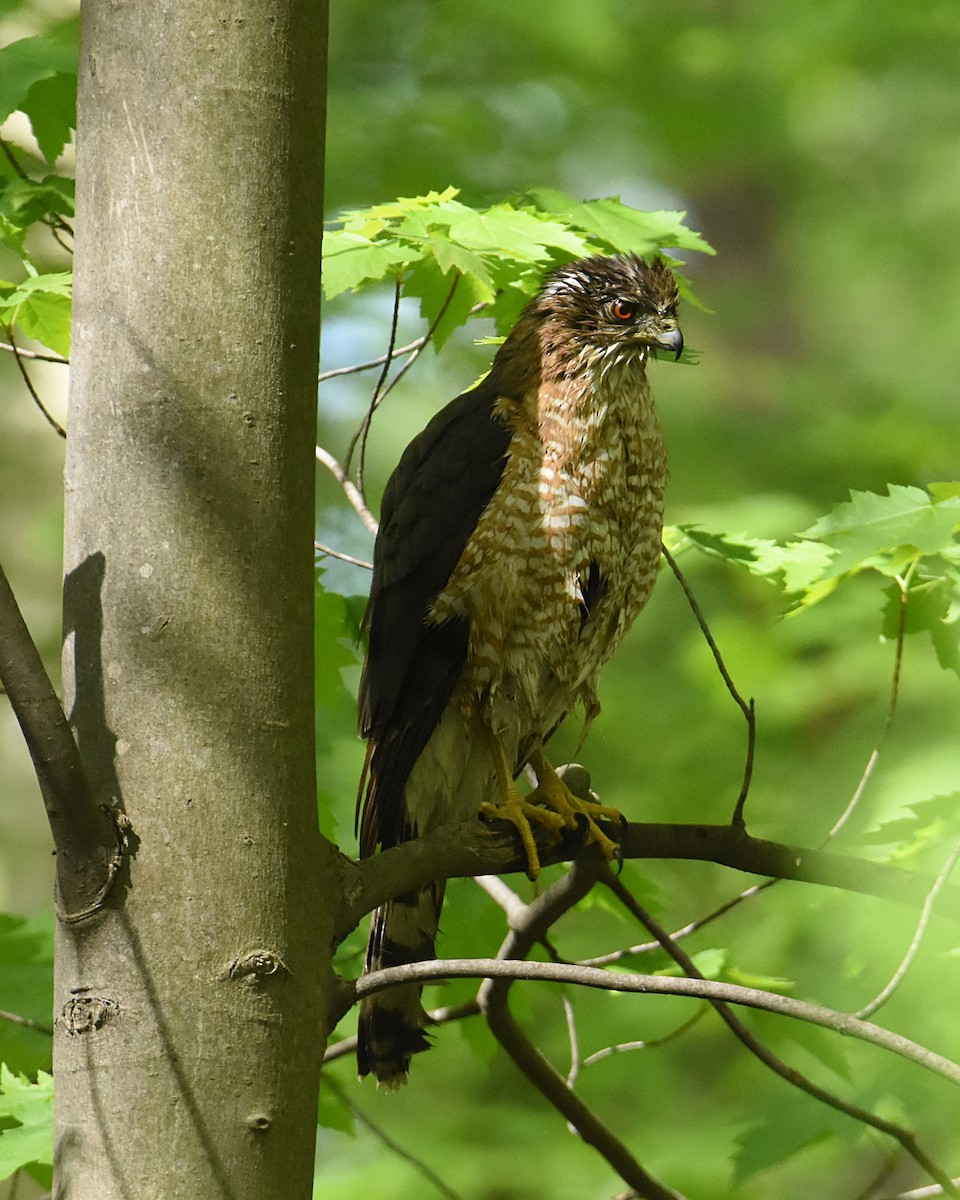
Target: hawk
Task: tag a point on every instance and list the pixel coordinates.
(520, 537)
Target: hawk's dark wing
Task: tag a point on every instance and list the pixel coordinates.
(431, 505)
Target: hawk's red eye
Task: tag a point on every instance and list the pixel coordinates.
(623, 310)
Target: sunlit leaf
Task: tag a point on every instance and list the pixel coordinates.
(350, 260)
(31, 1106)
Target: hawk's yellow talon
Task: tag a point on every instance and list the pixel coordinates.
(519, 811)
(554, 793)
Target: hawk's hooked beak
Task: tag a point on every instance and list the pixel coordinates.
(671, 340)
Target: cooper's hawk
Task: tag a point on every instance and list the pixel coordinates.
(520, 537)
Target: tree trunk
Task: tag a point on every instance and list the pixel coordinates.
(190, 1008)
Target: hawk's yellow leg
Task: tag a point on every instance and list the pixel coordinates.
(520, 810)
(550, 804)
(553, 792)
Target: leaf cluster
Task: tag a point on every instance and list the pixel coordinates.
(910, 537)
(457, 260)
(38, 76)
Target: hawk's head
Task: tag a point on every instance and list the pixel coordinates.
(613, 309)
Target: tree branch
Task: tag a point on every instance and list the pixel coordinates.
(477, 848)
(904, 1137)
(529, 928)
(87, 842)
(701, 989)
(24, 374)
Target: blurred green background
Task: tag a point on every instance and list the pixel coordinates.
(817, 147)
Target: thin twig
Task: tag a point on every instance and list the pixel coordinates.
(35, 354)
(322, 548)
(12, 160)
(364, 430)
(904, 584)
(379, 391)
(571, 1021)
(904, 1137)
(896, 979)
(745, 706)
(55, 221)
(652, 1044)
(750, 892)
(393, 1146)
(26, 1022)
(355, 368)
(427, 338)
(357, 502)
(30, 388)
(603, 960)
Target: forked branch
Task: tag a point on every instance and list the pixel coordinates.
(88, 842)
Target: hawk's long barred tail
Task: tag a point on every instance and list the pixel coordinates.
(391, 1023)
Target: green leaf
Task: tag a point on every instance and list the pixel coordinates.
(433, 289)
(46, 316)
(930, 823)
(796, 1123)
(51, 105)
(350, 260)
(31, 1106)
(794, 566)
(621, 228)
(333, 1111)
(370, 221)
(332, 653)
(26, 201)
(512, 233)
(931, 608)
(41, 306)
(23, 63)
(870, 525)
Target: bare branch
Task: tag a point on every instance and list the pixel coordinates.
(603, 960)
(570, 1017)
(701, 989)
(869, 1009)
(652, 1044)
(347, 558)
(493, 1000)
(86, 839)
(26, 1022)
(364, 430)
(427, 338)
(904, 1137)
(52, 421)
(357, 502)
(745, 706)
(477, 848)
(34, 354)
(904, 584)
(356, 368)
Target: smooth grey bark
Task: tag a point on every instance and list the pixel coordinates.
(191, 1008)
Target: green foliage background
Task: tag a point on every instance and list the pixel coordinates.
(817, 148)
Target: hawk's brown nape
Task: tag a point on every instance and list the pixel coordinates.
(520, 537)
